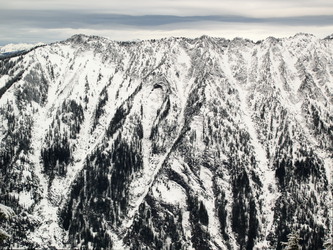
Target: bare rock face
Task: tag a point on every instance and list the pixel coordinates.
(168, 144)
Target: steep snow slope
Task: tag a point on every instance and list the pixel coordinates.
(176, 143)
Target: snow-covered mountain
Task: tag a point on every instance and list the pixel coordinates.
(175, 143)
(12, 47)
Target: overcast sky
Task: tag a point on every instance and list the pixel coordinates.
(32, 21)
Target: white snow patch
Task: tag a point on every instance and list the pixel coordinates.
(49, 233)
(3, 80)
(151, 104)
(25, 199)
(169, 192)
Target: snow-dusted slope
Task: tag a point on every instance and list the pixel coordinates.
(173, 143)
(18, 47)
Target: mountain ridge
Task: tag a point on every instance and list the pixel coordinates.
(98, 136)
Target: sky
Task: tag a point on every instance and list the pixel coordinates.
(32, 21)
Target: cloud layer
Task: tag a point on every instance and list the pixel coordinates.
(52, 20)
(258, 8)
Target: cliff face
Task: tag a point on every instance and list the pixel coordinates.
(168, 144)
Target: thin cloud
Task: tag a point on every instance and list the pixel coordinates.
(68, 19)
(253, 8)
(47, 21)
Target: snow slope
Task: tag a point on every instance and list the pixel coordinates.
(18, 47)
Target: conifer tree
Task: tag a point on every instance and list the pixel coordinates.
(292, 244)
(328, 245)
(5, 214)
